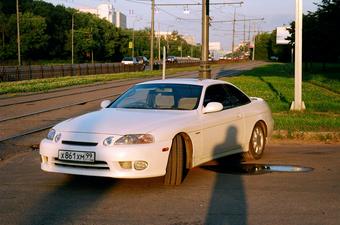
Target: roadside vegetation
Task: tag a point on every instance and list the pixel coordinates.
(275, 84)
(47, 84)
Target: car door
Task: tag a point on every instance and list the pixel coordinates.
(223, 131)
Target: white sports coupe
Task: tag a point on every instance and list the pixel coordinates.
(159, 128)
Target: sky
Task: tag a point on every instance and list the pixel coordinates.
(168, 18)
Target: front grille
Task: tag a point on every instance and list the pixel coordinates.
(87, 165)
(80, 143)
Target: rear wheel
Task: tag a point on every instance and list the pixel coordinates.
(175, 167)
(257, 143)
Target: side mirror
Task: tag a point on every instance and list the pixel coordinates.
(212, 107)
(105, 104)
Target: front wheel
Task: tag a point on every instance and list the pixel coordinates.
(175, 167)
(256, 144)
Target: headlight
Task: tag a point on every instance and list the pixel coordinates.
(135, 139)
(108, 141)
(51, 134)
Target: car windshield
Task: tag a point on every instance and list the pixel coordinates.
(160, 96)
(128, 59)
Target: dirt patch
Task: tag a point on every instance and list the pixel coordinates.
(305, 137)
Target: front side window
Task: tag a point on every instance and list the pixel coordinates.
(160, 96)
(227, 95)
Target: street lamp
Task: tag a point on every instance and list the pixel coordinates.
(72, 39)
(298, 104)
(133, 34)
(152, 33)
(205, 71)
(18, 32)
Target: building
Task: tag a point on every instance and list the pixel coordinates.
(215, 46)
(215, 49)
(119, 19)
(107, 12)
(167, 34)
(89, 10)
(189, 39)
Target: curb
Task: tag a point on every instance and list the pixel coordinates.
(327, 137)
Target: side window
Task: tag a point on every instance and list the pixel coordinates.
(217, 93)
(236, 97)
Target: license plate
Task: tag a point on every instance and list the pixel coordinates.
(76, 156)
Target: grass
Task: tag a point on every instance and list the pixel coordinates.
(53, 83)
(275, 84)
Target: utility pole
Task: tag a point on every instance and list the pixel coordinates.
(254, 47)
(92, 56)
(233, 41)
(159, 42)
(249, 31)
(253, 55)
(205, 71)
(244, 29)
(152, 33)
(181, 49)
(133, 41)
(72, 39)
(298, 104)
(18, 33)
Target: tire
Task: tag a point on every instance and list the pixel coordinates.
(257, 143)
(175, 167)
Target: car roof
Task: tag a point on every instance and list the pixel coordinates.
(189, 81)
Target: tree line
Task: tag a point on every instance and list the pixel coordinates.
(321, 35)
(45, 33)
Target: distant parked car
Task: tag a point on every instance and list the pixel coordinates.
(142, 60)
(274, 58)
(129, 60)
(171, 59)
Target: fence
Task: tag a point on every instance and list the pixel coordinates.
(16, 73)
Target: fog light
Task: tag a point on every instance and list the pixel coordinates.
(140, 165)
(44, 159)
(125, 164)
(57, 137)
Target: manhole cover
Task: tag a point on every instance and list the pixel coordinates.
(255, 169)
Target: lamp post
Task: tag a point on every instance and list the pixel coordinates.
(152, 33)
(205, 71)
(233, 39)
(133, 34)
(18, 32)
(298, 104)
(72, 39)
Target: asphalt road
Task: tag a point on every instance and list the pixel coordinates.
(215, 193)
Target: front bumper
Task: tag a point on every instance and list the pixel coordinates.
(107, 159)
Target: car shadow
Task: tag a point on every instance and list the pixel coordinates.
(70, 201)
(228, 204)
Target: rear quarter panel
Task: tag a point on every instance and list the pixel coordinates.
(257, 110)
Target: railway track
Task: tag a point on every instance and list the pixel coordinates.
(24, 115)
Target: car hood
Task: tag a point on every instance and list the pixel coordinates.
(123, 121)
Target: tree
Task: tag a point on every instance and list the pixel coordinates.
(320, 33)
(33, 36)
(262, 46)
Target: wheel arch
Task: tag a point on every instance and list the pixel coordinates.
(264, 127)
(188, 149)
